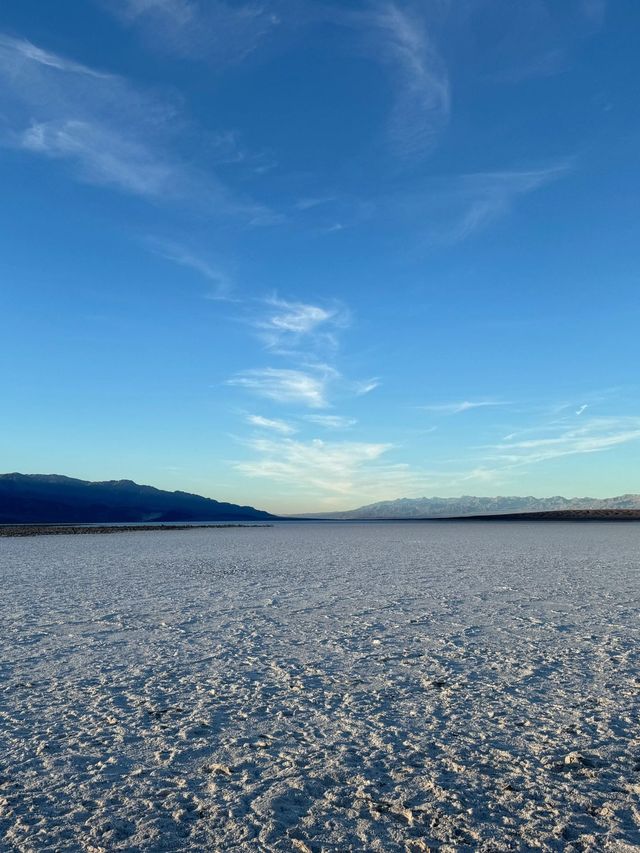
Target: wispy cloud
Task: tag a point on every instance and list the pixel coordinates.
(528, 40)
(365, 386)
(462, 406)
(60, 109)
(331, 421)
(298, 331)
(286, 325)
(178, 12)
(101, 155)
(402, 41)
(318, 466)
(297, 318)
(331, 214)
(312, 202)
(286, 385)
(227, 148)
(210, 30)
(593, 436)
(107, 131)
(221, 284)
(13, 48)
(460, 206)
(582, 409)
(273, 424)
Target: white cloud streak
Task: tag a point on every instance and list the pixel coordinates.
(288, 325)
(462, 406)
(313, 202)
(285, 385)
(272, 424)
(366, 386)
(338, 468)
(178, 12)
(33, 53)
(111, 133)
(102, 156)
(593, 436)
(423, 98)
(466, 204)
(107, 131)
(295, 317)
(446, 210)
(211, 30)
(538, 38)
(221, 283)
(335, 422)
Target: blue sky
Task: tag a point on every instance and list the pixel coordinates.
(312, 255)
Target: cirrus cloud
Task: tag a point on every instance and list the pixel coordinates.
(286, 385)
(462, 406)
(328, 467)
(212, 30)
(288, 325)
(273, 424)
(423, 101)
(109, 132)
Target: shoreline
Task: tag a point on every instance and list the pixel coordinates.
(14, 530)
(59, 529)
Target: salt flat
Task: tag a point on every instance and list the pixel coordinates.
(328, 687)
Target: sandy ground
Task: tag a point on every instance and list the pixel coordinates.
(322, 688)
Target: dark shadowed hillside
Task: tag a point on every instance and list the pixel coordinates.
(51, 498)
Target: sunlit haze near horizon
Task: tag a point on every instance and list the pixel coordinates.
(308, 256)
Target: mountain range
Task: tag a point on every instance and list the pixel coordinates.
(470, 505)
(52, 498)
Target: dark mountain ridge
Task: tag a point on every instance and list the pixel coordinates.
(54, 498)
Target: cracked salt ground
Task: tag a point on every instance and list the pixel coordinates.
(322, 688)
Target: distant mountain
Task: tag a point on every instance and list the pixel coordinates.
(468, 505)
(51, 498)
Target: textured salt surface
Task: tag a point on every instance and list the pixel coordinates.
(324, 688)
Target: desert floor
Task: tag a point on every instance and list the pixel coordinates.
(322, 687)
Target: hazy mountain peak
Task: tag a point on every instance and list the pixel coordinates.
(437, 507)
